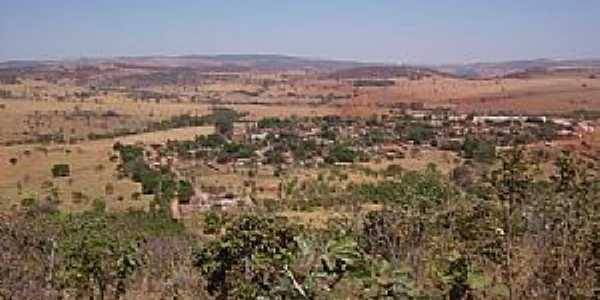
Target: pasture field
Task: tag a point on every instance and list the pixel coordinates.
(536, 95)
(44, 108)
(93, 173)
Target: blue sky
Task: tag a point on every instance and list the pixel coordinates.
(407, 31)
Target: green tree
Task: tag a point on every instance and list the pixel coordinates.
(478, 149)
(250, 259)
(511, 188)
(185, 191)
(570, 221)
(419, 133)
(341, 153)
(61, 170)
(224, 126)
(97, 260)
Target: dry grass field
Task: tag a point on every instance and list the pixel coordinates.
(537, 95)
(22, 120)
(93, 174)
(46, 108)
(38, 107)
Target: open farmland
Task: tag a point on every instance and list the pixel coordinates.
(93, 173)
(357, 168)
(78, 114)
(535, 95)
(401, 150)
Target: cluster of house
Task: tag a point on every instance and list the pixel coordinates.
(202, 201)
(443, 126)
(565, 127)
(449, 128)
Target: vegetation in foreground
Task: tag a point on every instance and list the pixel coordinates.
(511, 234)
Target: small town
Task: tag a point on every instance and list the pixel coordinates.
(276, 146)
(299, 150)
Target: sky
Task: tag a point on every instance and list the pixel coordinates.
(398, 31)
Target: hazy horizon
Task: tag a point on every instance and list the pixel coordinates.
(412, 32)
(491, 61)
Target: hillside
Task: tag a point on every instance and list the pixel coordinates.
(382, 72)
(202, 62)
(499, 69)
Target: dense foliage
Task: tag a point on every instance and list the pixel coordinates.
(160, 181)
(513, 234)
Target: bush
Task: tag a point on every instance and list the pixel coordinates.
(211, 140)
(109, 189)
(99, 205)
(252, 252)
(341, 153)
(480, 150)
(234, 151)
(274, 123)
(28, 202)
(78, 197)
(462, 176)
(424, 189)
(185, 191)
(61, 170)
(420, 134)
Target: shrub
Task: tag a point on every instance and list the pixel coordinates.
(420, 134)
(462, 176)
(61, 170)
(99, 205)
(341, 153)
(109, 189)
(274, 123)
(480, 150)
(98, 261)
(185, 191)
(136, 196)
(251, 253)
(28, 202)
(78, 197)
(224, 126)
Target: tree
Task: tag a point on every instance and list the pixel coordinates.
(463, 176)
(570, 224)
(511, 187)
(185, 191)
(249, 260)
(419, 133)
(274, 157)
(61, 170)
(97, 260)
(480, 150)
(224, 126)
(341, 153)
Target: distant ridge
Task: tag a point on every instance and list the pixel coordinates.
(502, 69)
(257, 62)
(379, 72)
(336, 68)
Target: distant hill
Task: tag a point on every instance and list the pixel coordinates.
(510, 68)
(385, 72)
(23, 64)
(342, 69)
(277, 62)
(203, 62)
